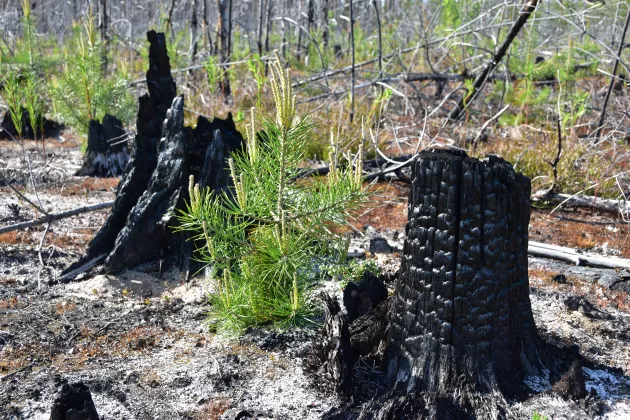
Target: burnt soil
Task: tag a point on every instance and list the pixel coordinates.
(139, 342)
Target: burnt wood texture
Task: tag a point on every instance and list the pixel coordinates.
(338, 356)
(154, 185)
(461, 315)
(107, 153)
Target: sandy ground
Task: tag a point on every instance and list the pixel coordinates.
(138, 339)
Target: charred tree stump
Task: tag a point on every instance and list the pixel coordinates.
(461, 319)
(155, 182)
(338, 356)
(9, 132)
(74, 401)
(107, 152)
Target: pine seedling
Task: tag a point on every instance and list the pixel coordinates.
(265, 239)
(83, 92)
(14, 96)
(28, 24)
(35, 106)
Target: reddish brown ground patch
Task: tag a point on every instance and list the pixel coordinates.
(387, 208)
(582, 229)
(596, 294)
(84, 186)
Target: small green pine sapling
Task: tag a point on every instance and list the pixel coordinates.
(83, 91)
(28, 25)
(14, 96)
(265, 239)
(213, 72)
(35, 106)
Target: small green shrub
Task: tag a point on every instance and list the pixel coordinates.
(83, 92)
(265, 239)
(14, 96)
(34, 103)
(351, 270)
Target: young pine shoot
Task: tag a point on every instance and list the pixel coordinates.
(14, 96)
(266, 238)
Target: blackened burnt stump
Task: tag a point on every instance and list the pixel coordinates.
(154, 185)
(74, 402)
(107, 153)
(461, 316)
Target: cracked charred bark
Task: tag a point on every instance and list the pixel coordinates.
(154, 185)
(461, 316)
(107, 153)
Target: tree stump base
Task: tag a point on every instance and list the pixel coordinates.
(107, 152)
(154, 186)
(461, 316)
(462, 339)
(9, 132)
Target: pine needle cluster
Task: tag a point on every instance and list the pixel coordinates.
(83, 91)
(265, 239)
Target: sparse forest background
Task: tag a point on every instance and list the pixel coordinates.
(385, 73)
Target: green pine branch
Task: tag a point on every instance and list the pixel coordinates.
(265, 238)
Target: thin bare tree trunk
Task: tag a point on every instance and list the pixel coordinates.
(207, 38)
(259, 42)
(284, 31)
(268, 26)
(194, 22)
(380, 39)
(223, 46)
(613, 78)
(229, 35)
(169, 19)
(104, 32)
(352, 71)
(311, 14)
(299, 37)
(325, 34)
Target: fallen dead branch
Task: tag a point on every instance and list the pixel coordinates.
(82, 268)
(56, 216)
(406, 160)
(585, 201)
(570, 255)
(528, 9)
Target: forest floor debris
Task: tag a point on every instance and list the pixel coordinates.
(138, 338)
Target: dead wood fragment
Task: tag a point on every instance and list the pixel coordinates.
(74, 402)
(360, 298)
(82, 269)
(56, 216)
(368, 331)
(572, 385)
(338, 354)
(602, 117)
(482, 78)
(572, 256)
(597, 203)
(107, 153)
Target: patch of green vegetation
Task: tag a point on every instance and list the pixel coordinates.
(578, 169)
(350, 271)
(265, 239)
(83, 91)
(14, 97)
